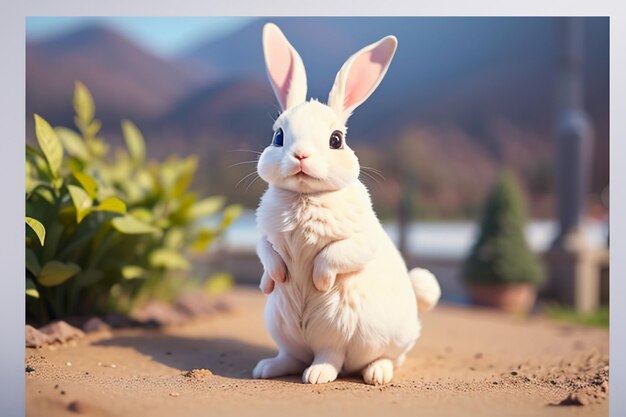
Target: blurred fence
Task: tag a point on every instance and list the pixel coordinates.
(438, 246)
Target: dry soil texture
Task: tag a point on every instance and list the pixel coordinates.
(467, 362)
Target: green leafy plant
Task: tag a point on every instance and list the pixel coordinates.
(501, 253)
(105, 232)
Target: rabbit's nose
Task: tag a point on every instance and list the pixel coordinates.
(300, 156)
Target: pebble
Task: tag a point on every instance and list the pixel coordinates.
(78, 407)
(174, 394)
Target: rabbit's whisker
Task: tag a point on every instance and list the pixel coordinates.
(244, 178)
(251, 182)
(374, 171)
(373, 178)
(242, 163)
(245, 150)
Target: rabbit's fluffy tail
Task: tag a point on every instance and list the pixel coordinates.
(426, 288)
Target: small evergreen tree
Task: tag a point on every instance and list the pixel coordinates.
(501, 253)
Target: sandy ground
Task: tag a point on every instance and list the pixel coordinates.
(467, 362)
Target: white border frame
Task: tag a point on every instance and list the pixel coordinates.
(12, 104)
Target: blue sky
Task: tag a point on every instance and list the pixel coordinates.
(163, 35)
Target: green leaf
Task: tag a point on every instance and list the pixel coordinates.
(38, 228)
(131, 226)
(231, 213)
(53, 237)
(168, 259)
(175, 238)
(186, 170)
(142, 214)
(218, 284)
(88, 277)
(206, 207)
(87, 182)
(31, 289)
(56, 273)
(163, 223)
(112, 204)
(83, 103)
(30, 150)
(49, 144)
(44, 192)
(133, 272)
(82, 202)
(92, 130)
(73, 143)
(168, 173)
(36, 160)
(32, 263)
(145, 180)
(96, 146)
(204, 239)
(57, 183)
(134, 141)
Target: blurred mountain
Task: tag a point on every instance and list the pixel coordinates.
(494, 79)
(127, 81)
(485, 85)
(446, 70)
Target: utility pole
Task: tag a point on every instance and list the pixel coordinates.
(574, 267)
(405, 213)
(574, 141)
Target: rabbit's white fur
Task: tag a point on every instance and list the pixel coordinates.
(340, 297)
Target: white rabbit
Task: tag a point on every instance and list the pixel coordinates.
(340, 297)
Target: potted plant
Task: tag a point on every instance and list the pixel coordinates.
(501, 270)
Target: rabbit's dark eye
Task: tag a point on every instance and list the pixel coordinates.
(278, 137)
(336, 140)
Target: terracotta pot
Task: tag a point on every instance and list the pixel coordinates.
(512, 298)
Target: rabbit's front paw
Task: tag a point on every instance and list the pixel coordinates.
(323, 277)
(276, 270)
(281, 365)
(319, 374)
(379, 372)
(267, 284)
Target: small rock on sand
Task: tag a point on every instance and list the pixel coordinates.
(95, 324)
(119, 321)
(198, 374)
(35, 338)
(575, 398)
(159, 313)
(60, 331)
(78, 407)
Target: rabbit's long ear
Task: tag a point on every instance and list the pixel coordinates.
(284, 68)
(360, 75)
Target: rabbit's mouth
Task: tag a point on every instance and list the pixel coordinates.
(301, 174)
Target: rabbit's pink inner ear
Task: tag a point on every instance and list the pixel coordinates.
(280, 62)
(366, 72)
